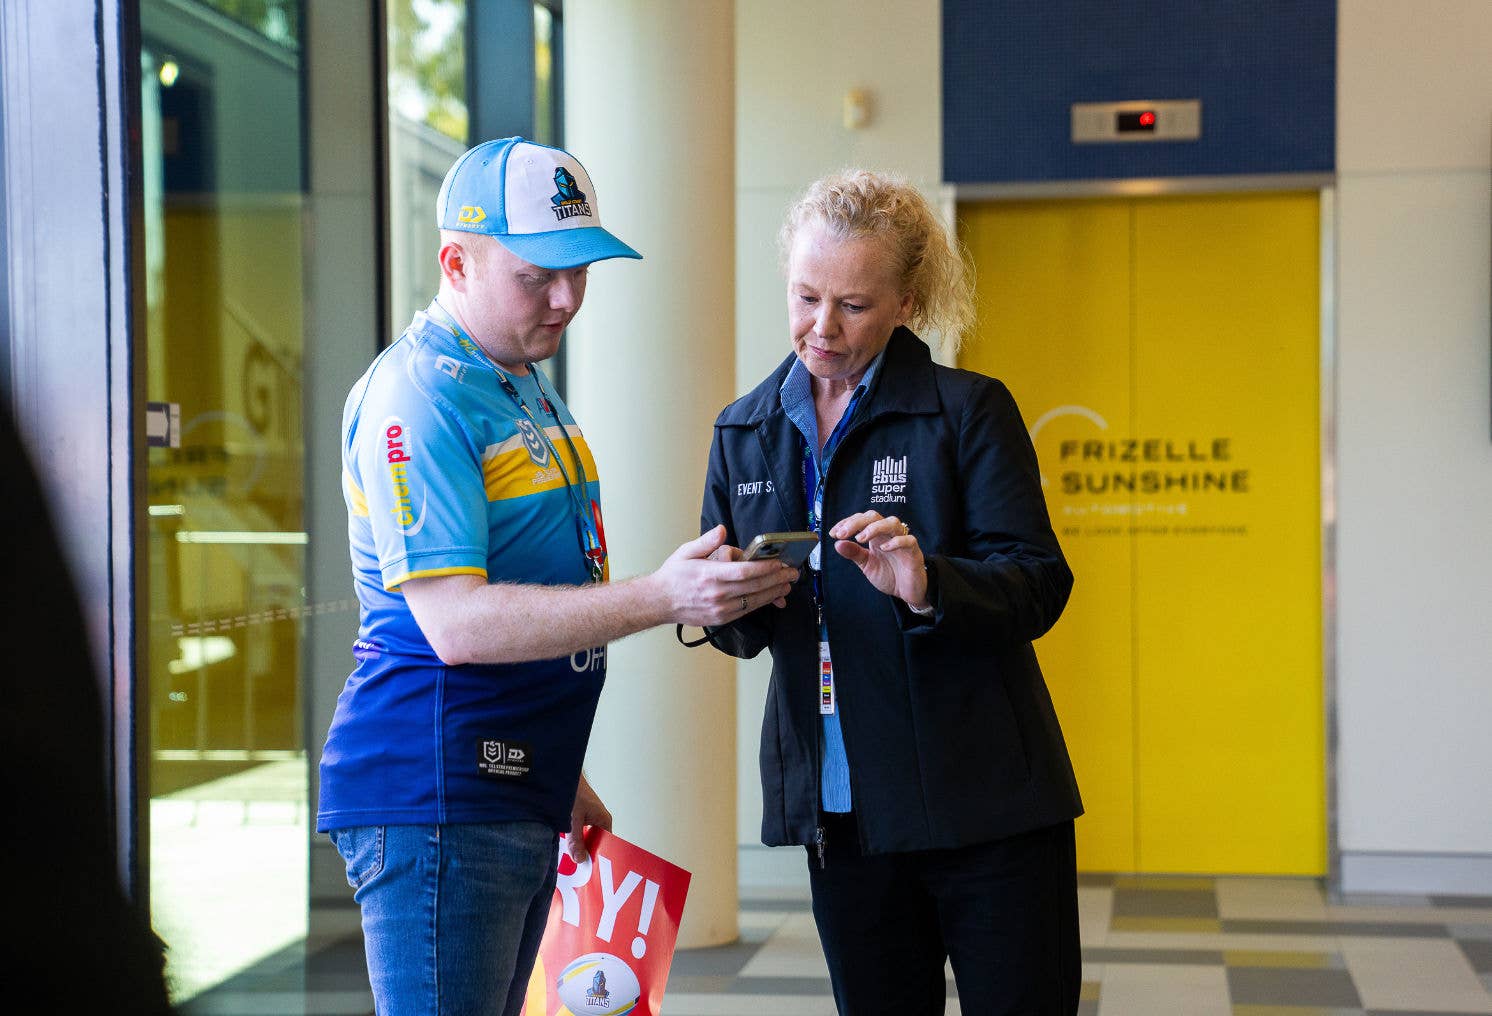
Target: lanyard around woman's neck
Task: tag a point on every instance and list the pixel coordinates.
(587, 527)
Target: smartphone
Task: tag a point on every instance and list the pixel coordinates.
(790, 548)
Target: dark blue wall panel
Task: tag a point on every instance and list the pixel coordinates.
(1265, 71)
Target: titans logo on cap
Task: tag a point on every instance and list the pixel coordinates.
(569, 199)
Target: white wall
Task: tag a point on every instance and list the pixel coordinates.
(1414, 452)
(794, 62)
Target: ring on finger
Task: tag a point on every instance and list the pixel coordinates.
(744, 602)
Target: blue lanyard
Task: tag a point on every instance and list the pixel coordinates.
(587, 528)
(813, 486)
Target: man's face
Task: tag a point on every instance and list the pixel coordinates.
(514, 310)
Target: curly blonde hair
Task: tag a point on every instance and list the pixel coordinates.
(931, 264)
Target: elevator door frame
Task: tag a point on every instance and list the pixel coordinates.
(1324, 184)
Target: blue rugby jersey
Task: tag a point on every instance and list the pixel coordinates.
(444, 474)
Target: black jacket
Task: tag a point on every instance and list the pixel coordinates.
(949, 729)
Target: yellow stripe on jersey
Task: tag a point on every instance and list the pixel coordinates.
(355, 496)
(508, 471)
(433, 573)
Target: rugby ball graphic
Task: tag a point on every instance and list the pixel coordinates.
(598, 982)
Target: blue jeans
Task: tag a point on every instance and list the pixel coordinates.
(452, 914)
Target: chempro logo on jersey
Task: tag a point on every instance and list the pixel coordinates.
(397, 459)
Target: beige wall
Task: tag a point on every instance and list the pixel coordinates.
(794, 63)
(1415, 454)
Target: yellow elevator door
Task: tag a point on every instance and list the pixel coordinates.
(1165, 353)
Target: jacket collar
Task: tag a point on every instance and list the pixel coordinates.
(904, 383)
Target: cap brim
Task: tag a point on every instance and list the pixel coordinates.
(566, 248)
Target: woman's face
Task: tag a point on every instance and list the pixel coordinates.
(844, 300)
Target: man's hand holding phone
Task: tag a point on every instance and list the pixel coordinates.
(789, 549)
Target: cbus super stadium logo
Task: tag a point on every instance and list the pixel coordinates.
(888, 481)
(598, 982)
(397, 460)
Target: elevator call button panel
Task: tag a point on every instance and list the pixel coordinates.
(1138, 120)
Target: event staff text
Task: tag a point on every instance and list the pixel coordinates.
(1198, 466)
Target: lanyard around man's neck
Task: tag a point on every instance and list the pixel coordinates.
(587, 525)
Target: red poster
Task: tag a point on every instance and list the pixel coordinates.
(611, 932)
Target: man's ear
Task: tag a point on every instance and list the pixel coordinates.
(453, 262)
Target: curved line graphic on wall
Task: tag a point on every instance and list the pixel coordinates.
(1060, 411)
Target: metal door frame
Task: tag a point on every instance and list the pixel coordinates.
(69, 90)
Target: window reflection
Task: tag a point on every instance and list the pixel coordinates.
(276, 20)
(546, 74)
(223, 133)
(428, 127)
(222, 175)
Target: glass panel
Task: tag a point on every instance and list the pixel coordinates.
(545, 131)
(428, 126)
(223, 173)
(5, 354)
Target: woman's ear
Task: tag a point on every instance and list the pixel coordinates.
(904, 311)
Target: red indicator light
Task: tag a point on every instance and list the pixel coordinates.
(1147, 119)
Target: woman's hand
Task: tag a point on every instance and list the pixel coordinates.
(884, 548)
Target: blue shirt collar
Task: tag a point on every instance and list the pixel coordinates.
(796, 395)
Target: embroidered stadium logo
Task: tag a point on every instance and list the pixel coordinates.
(888, 481)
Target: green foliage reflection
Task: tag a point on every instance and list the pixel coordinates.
(427, 63)
(276, 20)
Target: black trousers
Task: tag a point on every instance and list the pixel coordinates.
(1005, 913)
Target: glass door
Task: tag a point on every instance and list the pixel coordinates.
(222, 141)
(274, 253)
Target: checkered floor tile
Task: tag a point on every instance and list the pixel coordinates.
(1151, 947)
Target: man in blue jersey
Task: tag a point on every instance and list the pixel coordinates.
(454, 758)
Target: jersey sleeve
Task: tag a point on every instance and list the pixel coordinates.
(422, 479)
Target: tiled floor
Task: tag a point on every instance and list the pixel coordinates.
(1151, 947)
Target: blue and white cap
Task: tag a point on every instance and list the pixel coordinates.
(536, 201)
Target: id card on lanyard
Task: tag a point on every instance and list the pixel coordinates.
(826, 680)
(814, 489)
(826, 662)
(813, 494)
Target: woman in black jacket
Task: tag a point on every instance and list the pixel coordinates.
(909, 740)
